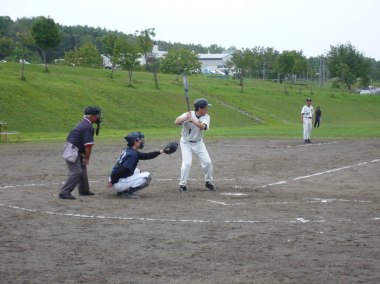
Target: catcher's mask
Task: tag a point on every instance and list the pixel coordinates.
(133, 137)
(95, 111)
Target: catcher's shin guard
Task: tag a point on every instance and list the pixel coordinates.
(145, 184)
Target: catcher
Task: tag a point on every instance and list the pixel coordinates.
(125, 177)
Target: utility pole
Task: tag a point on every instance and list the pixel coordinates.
(322, 71)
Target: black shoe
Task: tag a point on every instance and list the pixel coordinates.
(182, 188)
(127, 195)
(86, 193)
(308, 141)
(66, 196)
(210, 186)
(134, 189)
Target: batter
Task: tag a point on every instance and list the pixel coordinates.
(194, 123)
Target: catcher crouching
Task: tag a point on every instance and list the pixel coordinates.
(126, 179)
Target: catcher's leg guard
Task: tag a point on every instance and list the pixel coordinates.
(143, 185)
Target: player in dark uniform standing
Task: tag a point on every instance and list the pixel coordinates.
(125, 177)
(82, 136)
(318, 115)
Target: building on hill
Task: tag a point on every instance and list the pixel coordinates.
(156, 52)
(213, 62)
(210, 62)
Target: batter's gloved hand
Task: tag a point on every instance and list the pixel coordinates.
(171, 147)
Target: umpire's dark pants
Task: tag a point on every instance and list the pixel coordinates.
(77, 176)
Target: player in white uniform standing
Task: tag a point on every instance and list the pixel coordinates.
(194, 123)
(307, 113)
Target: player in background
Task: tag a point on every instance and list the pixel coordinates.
(318, 115)
(194, 123)
(307, 120)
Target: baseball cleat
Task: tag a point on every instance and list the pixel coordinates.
(182, 188)
(210, 186)
(86, 193)
(66, 196)
(127, 195)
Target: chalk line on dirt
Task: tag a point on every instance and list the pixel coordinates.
(297, 220)
(317, 174)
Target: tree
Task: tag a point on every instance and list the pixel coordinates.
(266, 59)
(109, 49)
(251, 61)
(6, 47)
(145, 43)
(6, 24)
(291, 63)
(180, 60)
(46, 35)
(238, 59)
(214, 48)
(126, 55)
(24, 41)
(346, 63)
(154, 62)
(86, 56)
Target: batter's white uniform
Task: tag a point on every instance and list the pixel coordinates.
(192, 143)
(307, 113)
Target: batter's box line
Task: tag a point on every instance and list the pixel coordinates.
(41, 184)
(267, 186)
(297, 220)
(311, 145)
(313, 200)
(226, 179)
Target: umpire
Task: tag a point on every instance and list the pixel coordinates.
(82, 137)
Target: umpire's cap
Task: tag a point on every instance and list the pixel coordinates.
(308, 99)
(92, 110)
(132, 137)
(201, 103)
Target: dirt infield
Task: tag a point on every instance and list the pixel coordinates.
(285, 212)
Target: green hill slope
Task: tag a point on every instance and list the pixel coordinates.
(47, 105)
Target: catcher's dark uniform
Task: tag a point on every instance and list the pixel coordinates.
(126, 166)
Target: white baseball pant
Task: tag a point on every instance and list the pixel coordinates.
(138, 179)
(199, 149)
(307, 126)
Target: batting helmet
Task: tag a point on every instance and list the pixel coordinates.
(134, 136)
(201, 103)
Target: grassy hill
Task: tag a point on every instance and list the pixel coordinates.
(48, 105)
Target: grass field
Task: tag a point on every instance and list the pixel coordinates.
(47, 105)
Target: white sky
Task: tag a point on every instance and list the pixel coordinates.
(310, 26)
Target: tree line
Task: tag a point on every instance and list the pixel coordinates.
(41, 39)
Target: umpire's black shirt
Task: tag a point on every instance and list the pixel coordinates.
(82, 135)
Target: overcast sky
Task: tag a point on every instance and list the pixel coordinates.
(310, 26)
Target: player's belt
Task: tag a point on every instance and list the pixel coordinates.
(308, 117)
(192, 141)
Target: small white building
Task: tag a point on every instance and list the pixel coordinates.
(215, 61)
(155, 52)
(106, 61)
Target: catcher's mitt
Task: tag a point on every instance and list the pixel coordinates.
(171, 147)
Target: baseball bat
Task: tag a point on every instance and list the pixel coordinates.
(186, 86)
